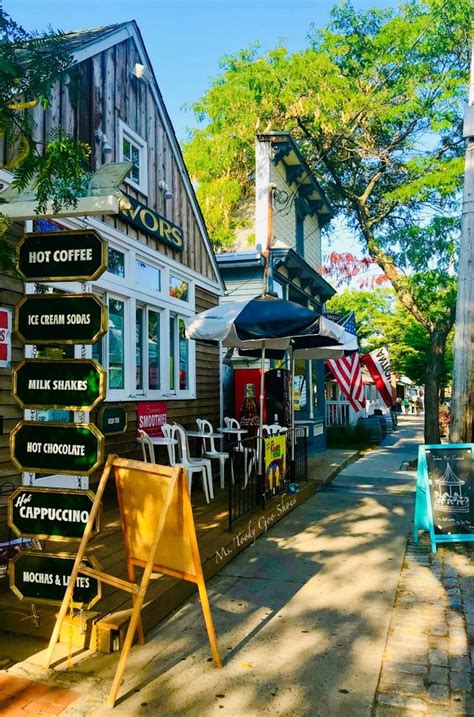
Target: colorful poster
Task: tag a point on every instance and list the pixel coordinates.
(150, 417)
(275, 461)
(5, 337)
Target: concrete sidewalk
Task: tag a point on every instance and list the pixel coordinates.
(302, 617)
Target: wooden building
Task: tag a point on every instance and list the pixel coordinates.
(299, 211)
(161, 265)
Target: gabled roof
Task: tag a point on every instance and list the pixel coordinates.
(84, 44)
(294, 266)
(79, 39)
(308, 189)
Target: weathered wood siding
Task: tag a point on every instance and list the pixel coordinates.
(11, 290)
(95, 95)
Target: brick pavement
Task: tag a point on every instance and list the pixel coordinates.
(20, 697)
(429, 657)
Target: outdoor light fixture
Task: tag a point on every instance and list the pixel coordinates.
(102, 138)
(168, 194)
(139, 71)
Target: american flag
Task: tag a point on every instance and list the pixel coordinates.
(347, 371)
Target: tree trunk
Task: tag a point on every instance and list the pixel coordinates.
(432, 383)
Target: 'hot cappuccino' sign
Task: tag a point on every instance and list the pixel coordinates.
(49, 513)
(62, 256)
(65, 448)
(60, 319)
(73, 384)
(44, 578)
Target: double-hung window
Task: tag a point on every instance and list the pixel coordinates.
(146, 353)
(132, 148)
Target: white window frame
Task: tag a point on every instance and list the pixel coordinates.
(125, 132)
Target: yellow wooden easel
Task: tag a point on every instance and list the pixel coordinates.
(159, 536)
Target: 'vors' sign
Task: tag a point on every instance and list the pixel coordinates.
(153, 224)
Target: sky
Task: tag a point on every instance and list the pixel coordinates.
(186, 39)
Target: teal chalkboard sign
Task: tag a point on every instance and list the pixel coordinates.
(444, 503)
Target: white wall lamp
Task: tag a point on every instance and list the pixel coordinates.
(139, 72)
(102, 138)
(168, 194)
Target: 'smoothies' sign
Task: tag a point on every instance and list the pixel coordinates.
(72, 384)
(62, 256)
(49, 513)
(44, 578)
(150, 222)
(65, 448)
(60, 319)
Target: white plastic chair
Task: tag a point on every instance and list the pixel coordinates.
(167, 430)
(209, 448)
(193, 465)
(249, 453)
(148, 449)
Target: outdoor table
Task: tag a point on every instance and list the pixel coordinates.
(231, 431)
(163, 441)
(200, 434)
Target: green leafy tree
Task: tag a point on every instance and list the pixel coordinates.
(376, 104)
(382, 320)
(30, 64)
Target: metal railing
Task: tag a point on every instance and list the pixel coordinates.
(249, 487)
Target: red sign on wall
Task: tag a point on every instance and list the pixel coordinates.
(150, 416)
(5, 337)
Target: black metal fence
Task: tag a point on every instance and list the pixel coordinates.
(251, 486)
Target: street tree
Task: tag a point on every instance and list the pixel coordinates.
(382, 321)
(30, 64)
(375, 102)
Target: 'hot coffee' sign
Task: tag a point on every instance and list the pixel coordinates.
(65, 448)
(62, 256)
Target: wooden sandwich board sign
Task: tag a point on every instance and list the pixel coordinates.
(159, 537)
(444, 502)
(50, 513)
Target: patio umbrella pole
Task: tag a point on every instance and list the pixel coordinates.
(260, 427)
(292, 419)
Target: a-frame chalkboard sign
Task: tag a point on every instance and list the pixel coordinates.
(444, 502)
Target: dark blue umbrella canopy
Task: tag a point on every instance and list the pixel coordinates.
(265, 321)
